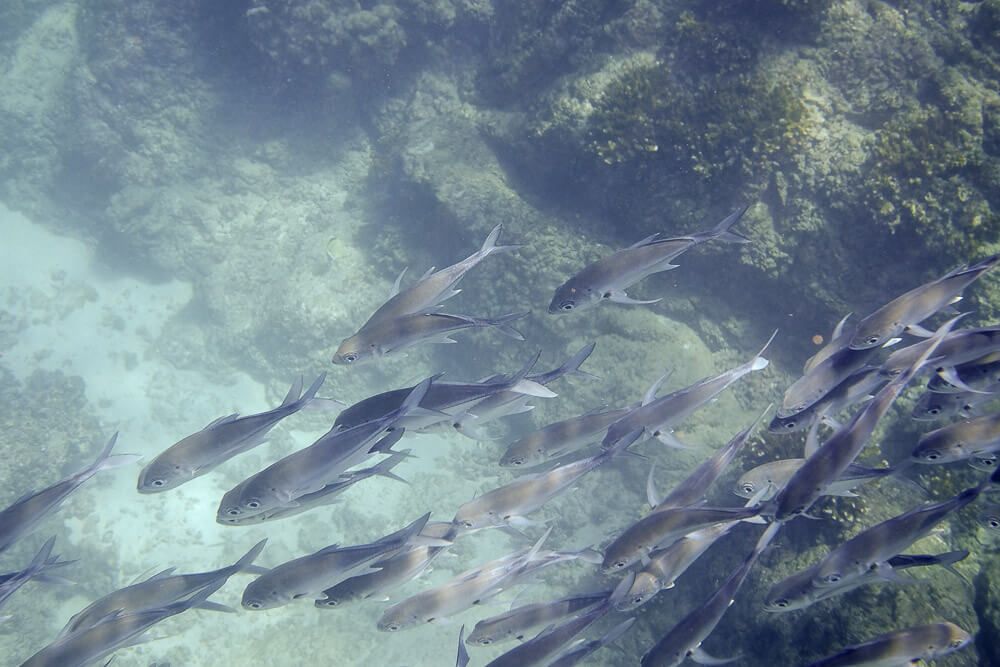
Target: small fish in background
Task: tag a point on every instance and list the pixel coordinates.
(577, 654)
(220, 441)
(392, 336)
(821, 380)
(434, 287)
(656, 417)
(774, 475)
(935, 406)
(158, 591)
(39, 569)
(959, 441)
(25, 513)
(798, 591)
(308, 576)
(856, 388)
(915, 306)
(902, 647)
(609, 277)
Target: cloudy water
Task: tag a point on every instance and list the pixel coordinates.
(330, 329)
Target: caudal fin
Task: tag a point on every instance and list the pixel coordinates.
(490, 244)
(722, 231)
(502, 325)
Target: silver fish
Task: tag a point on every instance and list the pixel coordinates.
(25, 513)
(576, 654)
(510, 503)
(830, 461)
(309, 470)
(916, 305)
(115, 631)
(516, 623)
(560, 438)
(959, 441)
(390, 336)
(444, 399)
(609, 277)
(663, 528)
(666, 565)
(975, 377)
(158, 591)
(462, 659)
(821, 380)
(538, 649)
(841, 335)
(695, 486)
(218, 442)
(310, 575)
(958, 348)
(902, 647)
(461, 592)
(327, 495)
(774, 475)
(684, 640)
(39, 569)
(391, 573)
(934, 406)
(435, 287)
(855, 388)
(990, 519)
(871, 549)
(657, 416)
(797, 591)
(985, 462)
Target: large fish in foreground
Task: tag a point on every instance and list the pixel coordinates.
(959, 441)
(435, 287)
(901, 648)
(392, 336)
(609, 277)
(21, 517)
(220, 441)
(916, 305)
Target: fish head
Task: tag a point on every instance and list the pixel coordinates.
(782, 602)
(481, 636)
(620, 555)
(245, 501)
(355, 350)
(873, 334)
(573, 295)
(401, 616)
(162, 475)
(789, 424)
(746, 487)
(984, 462)
(931, 450)
(335, 600)
(262, 594)
(991, 520)
(644, 587)
(955, 640)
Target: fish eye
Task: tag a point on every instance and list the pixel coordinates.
(790, 424)
(934, 411)
(781, 604)
(485, 641)
(331, 602)
(637, 599)
(872, 340)
(392, 628)
(619, 564)
(157, 483)
(233, 511)
(956, 643)
(253, 504)
(467, 524)
(517, 462)
(748, 487)
(832, 578)
(566, 305)
(254, 605)
(606, 295)
(932, 455)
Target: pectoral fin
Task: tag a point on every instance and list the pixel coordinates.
(619, 296)
(702, 658)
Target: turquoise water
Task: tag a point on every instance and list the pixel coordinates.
(199, 202)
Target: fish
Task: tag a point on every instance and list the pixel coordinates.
(538, 649)
(576, 654)
(471, 587)
(218, 442)
(329, 494)
(310, 575)
(838, 341)
(902, 647)
(39, 569)
(391, 572)
(462, 659)
(916, 305)
(984, 462)
(391, 336)
(821, 380)
(662, 528)
(959, 441)
(855, 388)
(559, 438)
(309, 470)
(509, 504)
(990, 519)
(657, 416)
(505, 403)
(115, 631)
(442, 399)
(516, 623)
(684, 640)
(695, 485)
(25, 513)
(829, 462)
(976, 377)
(871, 549)
(666, 565)
(797, 591)
(776, 474)
(609, 277)
(158, 591)
(934, 406)
(959, 348)
(435, 287)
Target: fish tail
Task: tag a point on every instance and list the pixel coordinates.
(384, 468)
(572, 365)
(759, 362)
(293, 392)
(501, 324)
(105, 461)
(490, 244)
(722, 231)
(311, 391)
(408, 533)
(249, 557)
